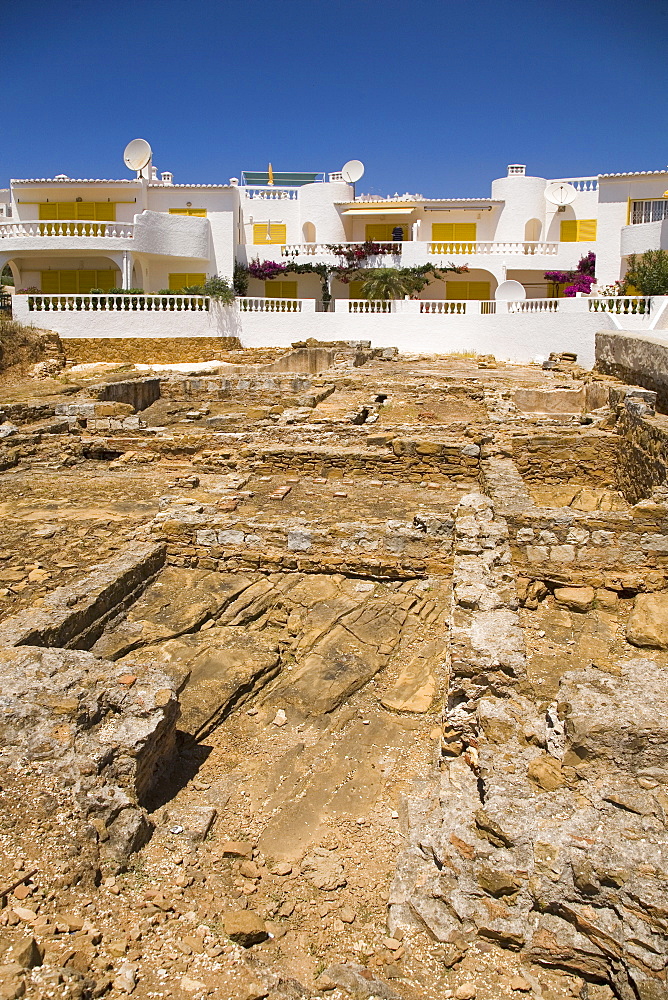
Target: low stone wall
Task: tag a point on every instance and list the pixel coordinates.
(616, 550)
(414, 459)
(390, 549)
(636, 358)
(643, 458)
(149, 350)
(269, 387)
(584, 457)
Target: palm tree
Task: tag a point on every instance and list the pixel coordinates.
(384, 283)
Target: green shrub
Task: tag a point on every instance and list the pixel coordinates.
(648, 272)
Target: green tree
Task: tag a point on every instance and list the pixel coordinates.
(384, 283)
(648, 272)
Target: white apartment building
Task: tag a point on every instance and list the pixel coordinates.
(65, 236)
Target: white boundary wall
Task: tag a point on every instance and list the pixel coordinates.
(518, 332)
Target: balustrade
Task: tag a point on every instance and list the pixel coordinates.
(251, 304)
(271, 194)
(621, 305)
(65, 227)
(443, 307)
(118, 303)
(449, 248)
(579, 183)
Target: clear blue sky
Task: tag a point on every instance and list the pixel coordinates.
(435, 96)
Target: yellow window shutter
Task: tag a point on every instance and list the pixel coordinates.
(199, 212)
(178, 211)
(443, 232)
(465, 232)
(84, 210)
(478, 290)
(69, 284)
(107, 279)
(568, 231)
(86, 280)
(469, 290)
(50, 282)
(276, 232)
(355, 289)
(379, 232)
(181, 280)
(456, 289)
(49, 211)
(104, 211)
(586, 230)
(280, 289)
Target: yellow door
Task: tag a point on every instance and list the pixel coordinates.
(280, 289)
(179, 281)
(578, 231)
(382, 232)
(355, 289)
(469, 290)
(268, 233)
(199, 212)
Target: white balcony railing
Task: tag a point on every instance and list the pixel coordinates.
(443, 307)
(324, 250)
(117, 303)
(621, 305)
(252, 304)
(449, 249)
(416, 249)
(271, 193)
(67, 227)
(579, 183)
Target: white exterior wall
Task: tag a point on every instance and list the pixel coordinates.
(517, 337)
(524, 199)
(317, 204)
(644, 236)
(613, 207)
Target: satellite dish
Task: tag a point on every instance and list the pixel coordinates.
(510, 291)
(137, 154)
(352, 171)
(560, 193)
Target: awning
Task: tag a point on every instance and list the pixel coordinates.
(385, 211)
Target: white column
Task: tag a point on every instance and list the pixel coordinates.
(126, 272)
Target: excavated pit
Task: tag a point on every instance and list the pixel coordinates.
(353, 643)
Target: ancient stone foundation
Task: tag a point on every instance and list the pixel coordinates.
(333, 672)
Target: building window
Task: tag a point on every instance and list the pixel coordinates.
(383, 233)
(478, 290)
(280, 289)
(578, 231)
(199, 212)
(648, 211)
(179, 281)
(269, 232)
(454, 232)
(78, 282)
